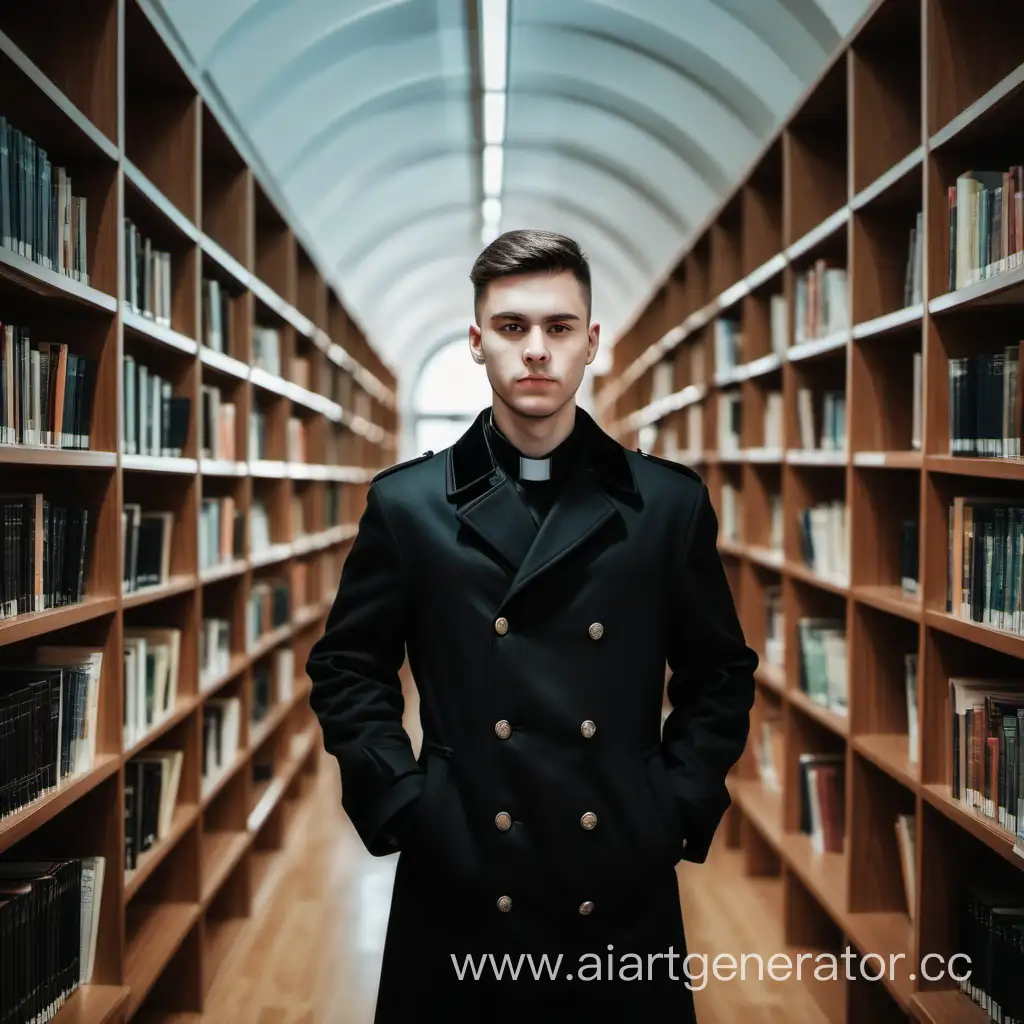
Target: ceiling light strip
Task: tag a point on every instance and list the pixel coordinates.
(494, 33)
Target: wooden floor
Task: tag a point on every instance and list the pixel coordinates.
(311, 953)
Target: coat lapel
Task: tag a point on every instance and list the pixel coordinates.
(486, 500)
(488, 503)
(581, 509)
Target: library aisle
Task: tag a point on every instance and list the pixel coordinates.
(310, 953)
(193, 401)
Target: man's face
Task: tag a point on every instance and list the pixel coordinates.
(535, 340)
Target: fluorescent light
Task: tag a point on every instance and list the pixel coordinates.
(488, 233)
(494, 169)
(490, 210)
(494, 118)
(494, 43)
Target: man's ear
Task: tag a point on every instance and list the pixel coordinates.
(594, 341)
(475, 347)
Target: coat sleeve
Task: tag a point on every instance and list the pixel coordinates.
(711, 686)
(356, 688)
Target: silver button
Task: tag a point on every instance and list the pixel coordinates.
(588, 729)
(596, 631)
(502, 730)
(587, 907)
(589, 820)
(504, 904)
(501, 626)
(503, 820)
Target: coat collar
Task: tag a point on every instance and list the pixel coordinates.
(470, 467)
(488, 504)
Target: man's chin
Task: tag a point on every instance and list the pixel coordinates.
(535, 406)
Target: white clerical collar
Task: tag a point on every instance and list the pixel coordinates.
(534, 469)
(529, 469)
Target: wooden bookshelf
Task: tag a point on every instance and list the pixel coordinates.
(922, 92)
(94, 86)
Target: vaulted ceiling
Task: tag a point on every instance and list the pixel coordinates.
(626, 121)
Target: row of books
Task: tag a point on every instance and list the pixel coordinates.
(45, 554)
(48, 722)
(731, 345)
(988, 752)
(267, 607)
(729, 513)
(821, 302)
(222, 738)
(295, 440)
(147, 276)
(990, 934)
(823, 676)
(730, 422)
(986, 562)
(824, 540)
(826, 431)
(986, 405)
(149, 537)
(214, 651)
(906, 846)
(986, 225)
(155, 421)
(679, 437)
(822, 782)
(218, 317)
(147, 547)
(769, 747)
(266, 349)
(910, 685)
(46, 391)
(346, 447)
(49, 926)
(218, 426)
(40, 217)
(151, 784)
(260, 532)
(221, 532)
(153, 779)
(45, 549)
(913, 275)
(152, 659)
(273, 681)
(258, 435)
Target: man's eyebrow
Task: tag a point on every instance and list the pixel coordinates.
(519, 316)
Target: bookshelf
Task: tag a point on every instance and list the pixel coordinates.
(811, 356)
(188, 393)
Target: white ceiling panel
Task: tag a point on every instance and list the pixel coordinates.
(627, 122)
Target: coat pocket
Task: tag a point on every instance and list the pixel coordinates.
(424, 815)
(670, 822)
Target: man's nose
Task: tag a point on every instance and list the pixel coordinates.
(536, 348)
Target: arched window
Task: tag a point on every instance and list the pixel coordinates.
(447, 395)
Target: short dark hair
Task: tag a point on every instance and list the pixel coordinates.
(527, 252)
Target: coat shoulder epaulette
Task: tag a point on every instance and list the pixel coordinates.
(679, 467)
(402, 465)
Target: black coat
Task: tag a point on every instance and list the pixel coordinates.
(548, 809)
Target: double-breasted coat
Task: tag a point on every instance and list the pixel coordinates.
(549, 805)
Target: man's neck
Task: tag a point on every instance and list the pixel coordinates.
(534, 438)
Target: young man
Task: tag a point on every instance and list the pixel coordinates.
(540, 577)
